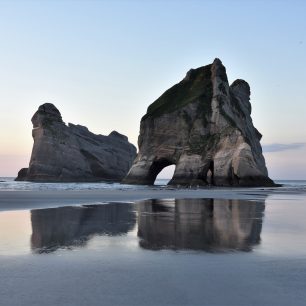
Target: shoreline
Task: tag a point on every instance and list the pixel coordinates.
(35, 199)
(106, 255)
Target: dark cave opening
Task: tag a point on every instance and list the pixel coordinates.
(210, 174)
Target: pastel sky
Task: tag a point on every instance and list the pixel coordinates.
(103, 62)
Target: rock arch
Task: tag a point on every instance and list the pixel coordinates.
(203, 125)
(149, 170)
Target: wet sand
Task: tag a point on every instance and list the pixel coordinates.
(234, 252)
(13, 200)
(152, 278)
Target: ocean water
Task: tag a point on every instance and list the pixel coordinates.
(8, 183)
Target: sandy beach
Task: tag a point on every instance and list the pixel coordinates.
(12, 200)
(151, 278)
(234, 247)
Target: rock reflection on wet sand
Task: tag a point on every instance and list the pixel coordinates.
(66, 227)
(194, 224)
(200, 224)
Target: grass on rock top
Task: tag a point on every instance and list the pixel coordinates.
(197, 85)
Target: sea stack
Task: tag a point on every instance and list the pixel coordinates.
(204, 127)
(72, 153)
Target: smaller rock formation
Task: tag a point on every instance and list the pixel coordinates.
(72, 153)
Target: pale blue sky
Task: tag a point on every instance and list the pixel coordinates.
(103, 62)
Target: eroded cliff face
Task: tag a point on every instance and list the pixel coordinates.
(204, 127)
(72, 153)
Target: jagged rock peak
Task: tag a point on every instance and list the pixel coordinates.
(243, 85)
(46, 114)
(203, 127)
(118, 135)
(72, 153)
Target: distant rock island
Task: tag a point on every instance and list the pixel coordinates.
(204, 127)
(72, 153)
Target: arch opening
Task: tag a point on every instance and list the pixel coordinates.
(210, 174)
(157, 166)
(165, 175)
(206, 175)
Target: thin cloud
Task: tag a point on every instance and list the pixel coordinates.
(279, 147)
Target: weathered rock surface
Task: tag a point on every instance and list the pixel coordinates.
(72, 153)
(204, 127)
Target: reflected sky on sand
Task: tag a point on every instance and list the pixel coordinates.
(157, 252)
(201, 225)
(68, 227)
(192, 224)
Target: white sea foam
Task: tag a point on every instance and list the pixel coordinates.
(8, 184)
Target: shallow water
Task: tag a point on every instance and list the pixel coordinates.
(202, 225)
(156, 252)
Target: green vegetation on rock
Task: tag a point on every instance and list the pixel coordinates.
(196, 85)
